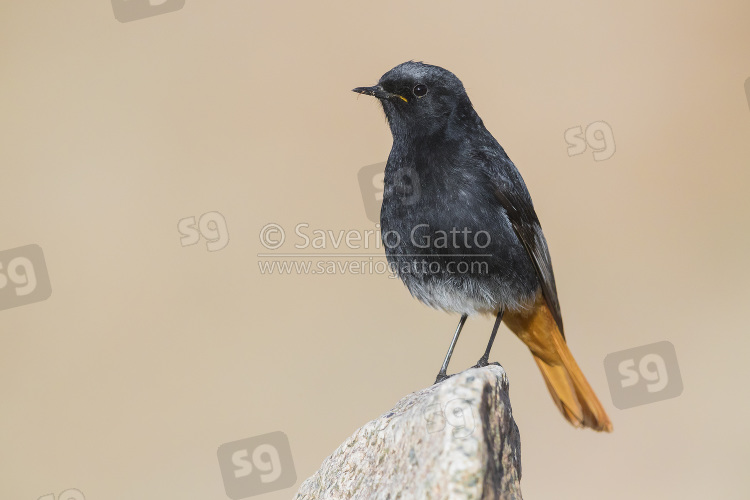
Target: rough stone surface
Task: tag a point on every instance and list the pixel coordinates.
(455, 440)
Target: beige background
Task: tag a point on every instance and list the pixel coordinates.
(149, 355)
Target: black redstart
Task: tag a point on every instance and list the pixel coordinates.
(459, 228)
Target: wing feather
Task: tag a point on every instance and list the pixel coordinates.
(526, 225)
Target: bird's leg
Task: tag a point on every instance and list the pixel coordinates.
(442, 375)
(484, 360)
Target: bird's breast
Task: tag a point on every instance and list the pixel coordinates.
(448, 239)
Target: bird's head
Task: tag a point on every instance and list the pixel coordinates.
(418, 98)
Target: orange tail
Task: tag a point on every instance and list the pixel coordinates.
(569, 389)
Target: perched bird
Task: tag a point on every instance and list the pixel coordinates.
(460, 230)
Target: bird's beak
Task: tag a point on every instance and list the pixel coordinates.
(378, 91)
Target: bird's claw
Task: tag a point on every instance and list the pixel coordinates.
(441, 377)
(481, 363)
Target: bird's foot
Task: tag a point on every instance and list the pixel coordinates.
(442, 376)
(483, 361)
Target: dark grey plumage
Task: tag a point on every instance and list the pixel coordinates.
(446, 173)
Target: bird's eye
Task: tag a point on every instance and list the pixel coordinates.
(420, 90)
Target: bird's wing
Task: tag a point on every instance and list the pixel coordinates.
(526, 225)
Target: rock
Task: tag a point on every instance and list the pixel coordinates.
(455, 440)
